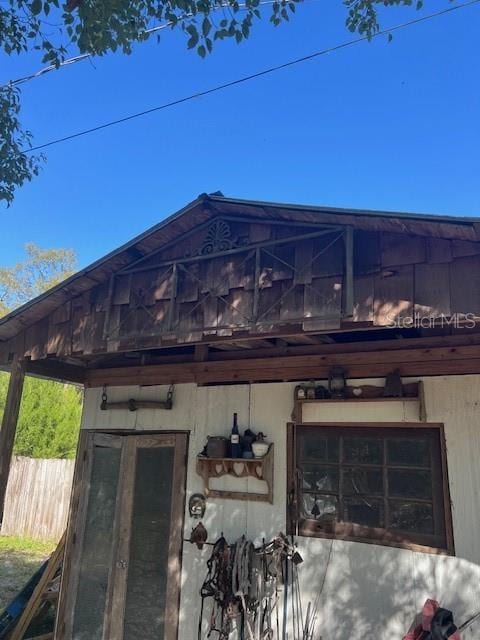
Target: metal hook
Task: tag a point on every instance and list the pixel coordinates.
(169, 401)
(103, 405)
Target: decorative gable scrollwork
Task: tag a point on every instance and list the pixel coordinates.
(218, 239)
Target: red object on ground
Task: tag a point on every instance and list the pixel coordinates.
(428, 611)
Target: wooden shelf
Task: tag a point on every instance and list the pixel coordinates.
(344, 400)
(370, 393)
(258, 468)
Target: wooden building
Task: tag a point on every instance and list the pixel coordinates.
(227, 307)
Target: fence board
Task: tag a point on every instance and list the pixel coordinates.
(38, 495)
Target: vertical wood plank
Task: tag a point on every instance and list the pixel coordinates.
(37, 498)
(363, 299)
(400, 249)
(323, 301)
(465, 285)
(432, 293)
(439, 250)
(348, 288)
(9, 424)
(366, 252)
(256, 285)
(393, 295)
(172, 604)
(118, 576)
(108, 303)
(303, 263)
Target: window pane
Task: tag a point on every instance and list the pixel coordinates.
(362, 480)
(364, 511)
(408, 451)
(411, 516)
(97, 545)
(326, 508)
(363, 450)
(319, 478)
(320, 448)
(368, 481)
(150, 534)
(410, 484)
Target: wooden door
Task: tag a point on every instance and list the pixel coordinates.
(121, 578)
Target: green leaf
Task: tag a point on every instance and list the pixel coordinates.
(36, 7)
(202, 52)
(206, 26)
(193, 41)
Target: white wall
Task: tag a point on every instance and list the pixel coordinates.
(370, 590)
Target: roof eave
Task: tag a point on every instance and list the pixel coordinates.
(100, 262)
(210, 206)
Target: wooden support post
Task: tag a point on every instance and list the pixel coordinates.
(348, 284)
(171, 306)
(108, 312)
(256, 284)
(9, 424)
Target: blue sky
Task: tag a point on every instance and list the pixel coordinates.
(378, 125)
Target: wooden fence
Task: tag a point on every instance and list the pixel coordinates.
(38, 495)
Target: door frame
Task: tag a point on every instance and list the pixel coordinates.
(77, 521)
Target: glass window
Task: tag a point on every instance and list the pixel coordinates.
(370, 483)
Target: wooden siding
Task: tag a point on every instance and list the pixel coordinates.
(208, 207)
(38, 495)
(260, 284)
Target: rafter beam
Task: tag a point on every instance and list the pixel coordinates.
(411, 362)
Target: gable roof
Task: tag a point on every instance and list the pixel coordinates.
(207, 207)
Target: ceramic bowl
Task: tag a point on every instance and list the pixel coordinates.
(259, 449)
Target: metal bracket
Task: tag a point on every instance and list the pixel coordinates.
(134, 405)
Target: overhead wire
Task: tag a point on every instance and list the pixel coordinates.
(85, 56)
(253, 76)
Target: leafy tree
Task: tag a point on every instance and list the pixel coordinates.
(41, 270)
(49, 418)
(16, 167)
(98, 27)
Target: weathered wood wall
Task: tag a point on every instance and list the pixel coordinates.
(38, 495)
(370, 590)
(180, 295)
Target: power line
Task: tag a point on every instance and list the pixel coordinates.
(252, 76)
(85, 56)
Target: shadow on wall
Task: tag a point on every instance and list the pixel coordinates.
(375, 591)
(369, 591)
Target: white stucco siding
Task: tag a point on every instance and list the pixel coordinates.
(370, 590)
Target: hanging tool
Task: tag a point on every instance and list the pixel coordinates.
(243, 584)
(134, 405)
